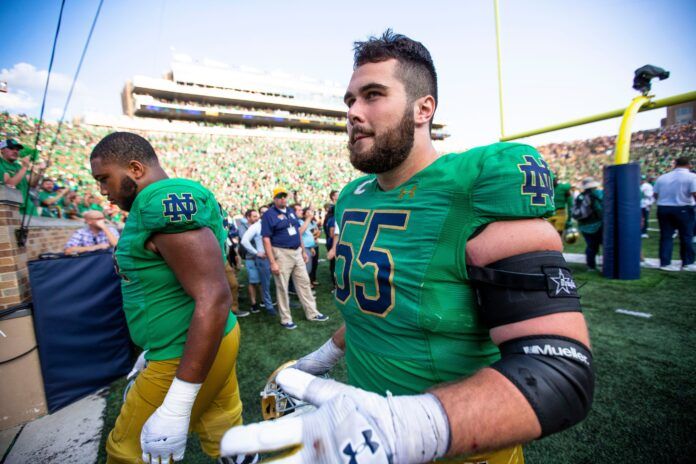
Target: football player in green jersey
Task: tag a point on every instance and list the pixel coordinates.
(563, 199)
(177, 304)
(463, 334)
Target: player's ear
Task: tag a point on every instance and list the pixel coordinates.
(423, 110)
(136, 169)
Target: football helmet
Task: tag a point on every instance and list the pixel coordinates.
(276, 403)
(571, 235)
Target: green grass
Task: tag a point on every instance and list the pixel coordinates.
(650, 245)
(645, 390)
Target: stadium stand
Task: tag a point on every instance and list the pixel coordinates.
(243, 169)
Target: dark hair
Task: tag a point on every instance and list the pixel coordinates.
(122, 147)
(295, 205)
(682, 161)
(416, 69)
(248, 212)
(332, 193)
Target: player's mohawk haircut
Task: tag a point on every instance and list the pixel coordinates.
(416, 67)
(122, 147)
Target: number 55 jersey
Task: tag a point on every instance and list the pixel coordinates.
(411, 315)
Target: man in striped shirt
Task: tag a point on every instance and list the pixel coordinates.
(96, 235)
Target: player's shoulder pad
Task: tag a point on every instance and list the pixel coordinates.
(177, 205)
(514, 181)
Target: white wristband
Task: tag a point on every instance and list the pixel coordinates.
(181, 396)
(423, 413)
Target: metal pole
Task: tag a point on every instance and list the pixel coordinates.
(623, 141)
(654, 104)
(500, 69)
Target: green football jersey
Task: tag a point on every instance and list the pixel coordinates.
(410, 313)
(562, 197)
(12, 168)
(157, 308)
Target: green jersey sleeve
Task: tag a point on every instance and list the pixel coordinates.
(173, 209)
(514, 182)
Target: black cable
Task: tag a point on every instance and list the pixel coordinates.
(74, 81)
(22, 232)
(6, 312)
(5, 361)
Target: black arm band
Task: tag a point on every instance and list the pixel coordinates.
(523, 287)
(554, 373)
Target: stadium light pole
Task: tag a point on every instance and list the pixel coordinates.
(500, 68)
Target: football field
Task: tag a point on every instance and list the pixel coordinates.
(645, 391)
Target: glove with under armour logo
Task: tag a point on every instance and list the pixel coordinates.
(351, 426)
(164, 434)
(321, 361)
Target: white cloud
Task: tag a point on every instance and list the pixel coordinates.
(17, 101)
(25, 76)
(55, 112)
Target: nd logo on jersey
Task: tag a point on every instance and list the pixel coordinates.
(537, 180)
(178, 208)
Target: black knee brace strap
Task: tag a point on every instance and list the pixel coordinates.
(524, 286)
(554, 373)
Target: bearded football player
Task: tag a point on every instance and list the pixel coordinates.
(177, 304)
(463, 332)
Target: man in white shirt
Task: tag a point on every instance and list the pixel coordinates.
(646, 201)
(676, 195)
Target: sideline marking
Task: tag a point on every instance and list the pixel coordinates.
(634, 313)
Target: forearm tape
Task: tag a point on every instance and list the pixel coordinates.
(524, 286)
(554, 373)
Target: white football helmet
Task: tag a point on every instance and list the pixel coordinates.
(276, 403)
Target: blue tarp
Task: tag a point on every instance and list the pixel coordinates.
(80, 327)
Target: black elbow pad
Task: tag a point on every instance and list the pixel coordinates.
(554, 373)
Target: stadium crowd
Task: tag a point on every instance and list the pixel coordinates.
(242, 171)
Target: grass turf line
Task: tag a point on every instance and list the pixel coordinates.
(645, 391)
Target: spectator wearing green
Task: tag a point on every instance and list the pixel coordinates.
(16, 174)
(51, 199)
(591, 225)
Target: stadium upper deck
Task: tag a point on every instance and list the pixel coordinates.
(241, 98)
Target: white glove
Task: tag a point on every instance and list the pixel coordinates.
(164, 434)
(321, 361)
(139, 365)
(349, 423)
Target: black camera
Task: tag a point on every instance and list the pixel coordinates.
(643, 76)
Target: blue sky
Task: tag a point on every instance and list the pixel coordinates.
(562, 59)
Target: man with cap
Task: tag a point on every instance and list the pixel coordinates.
(96, 235)
(287, 257)
(591, 225)
(14, 173)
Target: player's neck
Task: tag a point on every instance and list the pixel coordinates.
(422, 155)
(152, 176)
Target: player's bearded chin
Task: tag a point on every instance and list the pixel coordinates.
(127, 193)
(389, 149)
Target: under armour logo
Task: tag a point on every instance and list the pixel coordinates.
(373, 446)
(564, 283)
(537, 180)
(411, 193)
(177, 208)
